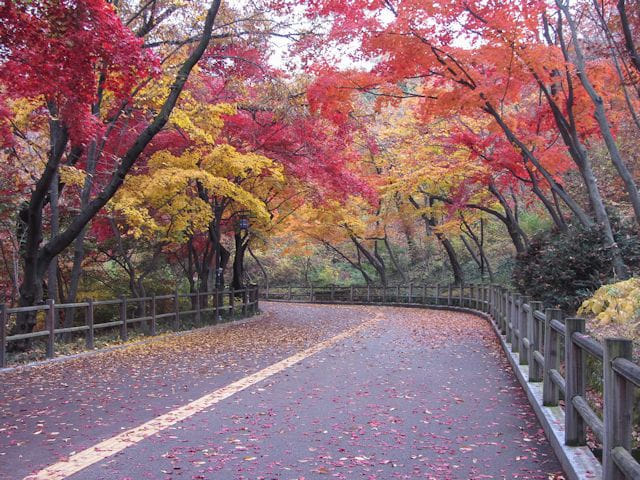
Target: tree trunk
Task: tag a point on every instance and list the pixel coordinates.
(554, 213)
(241, 243)
(78, 245)
(429, 223)
(628, 35)
(580, 157)
(394, 260)
(355, 264)
(614, 153)
(223, 261)
(481, 259)
(52, 273)
(262, 269)
(527, 154)
(30, 227)
(373, 259)
(456, 269)
(518, 237)
(36, 257)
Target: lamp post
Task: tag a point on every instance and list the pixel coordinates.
(241, 239)
(219, 277)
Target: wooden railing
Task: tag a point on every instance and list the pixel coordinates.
(537, 335)
(370, 294)
(125, 312)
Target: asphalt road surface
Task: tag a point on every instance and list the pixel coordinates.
(300, 392)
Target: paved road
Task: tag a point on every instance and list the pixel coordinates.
(400, 394)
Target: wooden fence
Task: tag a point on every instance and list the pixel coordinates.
(539, 336)
(125, 312)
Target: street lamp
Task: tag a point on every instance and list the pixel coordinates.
(242, 223)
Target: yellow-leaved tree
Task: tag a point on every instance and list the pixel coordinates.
(165, 201)
(182, 197)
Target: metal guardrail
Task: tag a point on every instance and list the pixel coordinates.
(205, 302)
(537, 335)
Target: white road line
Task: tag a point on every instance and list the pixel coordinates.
(110, 446)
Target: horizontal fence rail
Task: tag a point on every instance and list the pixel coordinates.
(124, 313)
(539, 336)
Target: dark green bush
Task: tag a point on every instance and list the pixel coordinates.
(562, 269)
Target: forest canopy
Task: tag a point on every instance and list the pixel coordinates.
(154, 145)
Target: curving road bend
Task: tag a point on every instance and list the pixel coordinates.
(301, 392)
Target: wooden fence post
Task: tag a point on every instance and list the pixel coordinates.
(489, 299)
(219, 296)
(410, 293)
(575, 382)
(289, 293)
(491, 302)
(437, 294)
(311, 293)
(245, 301)
(534, 334)
(472, 296)
(515, 299)
(485, 306)
(176, 310)
(618, 406)
(232, 301)
(507, 315)
(507, 312)
(198, 307)
(523, 358)
(495, 302)
(502, 294)
(124, 334)
(424, 294)
(3, 335)
(550, 391)
(397, 293)
(333, 292)
(91, 331)
(153, 314)
(51, 326)
(351, 293)
(256, 306)
(449, 293)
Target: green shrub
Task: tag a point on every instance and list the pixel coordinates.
(563, 269)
